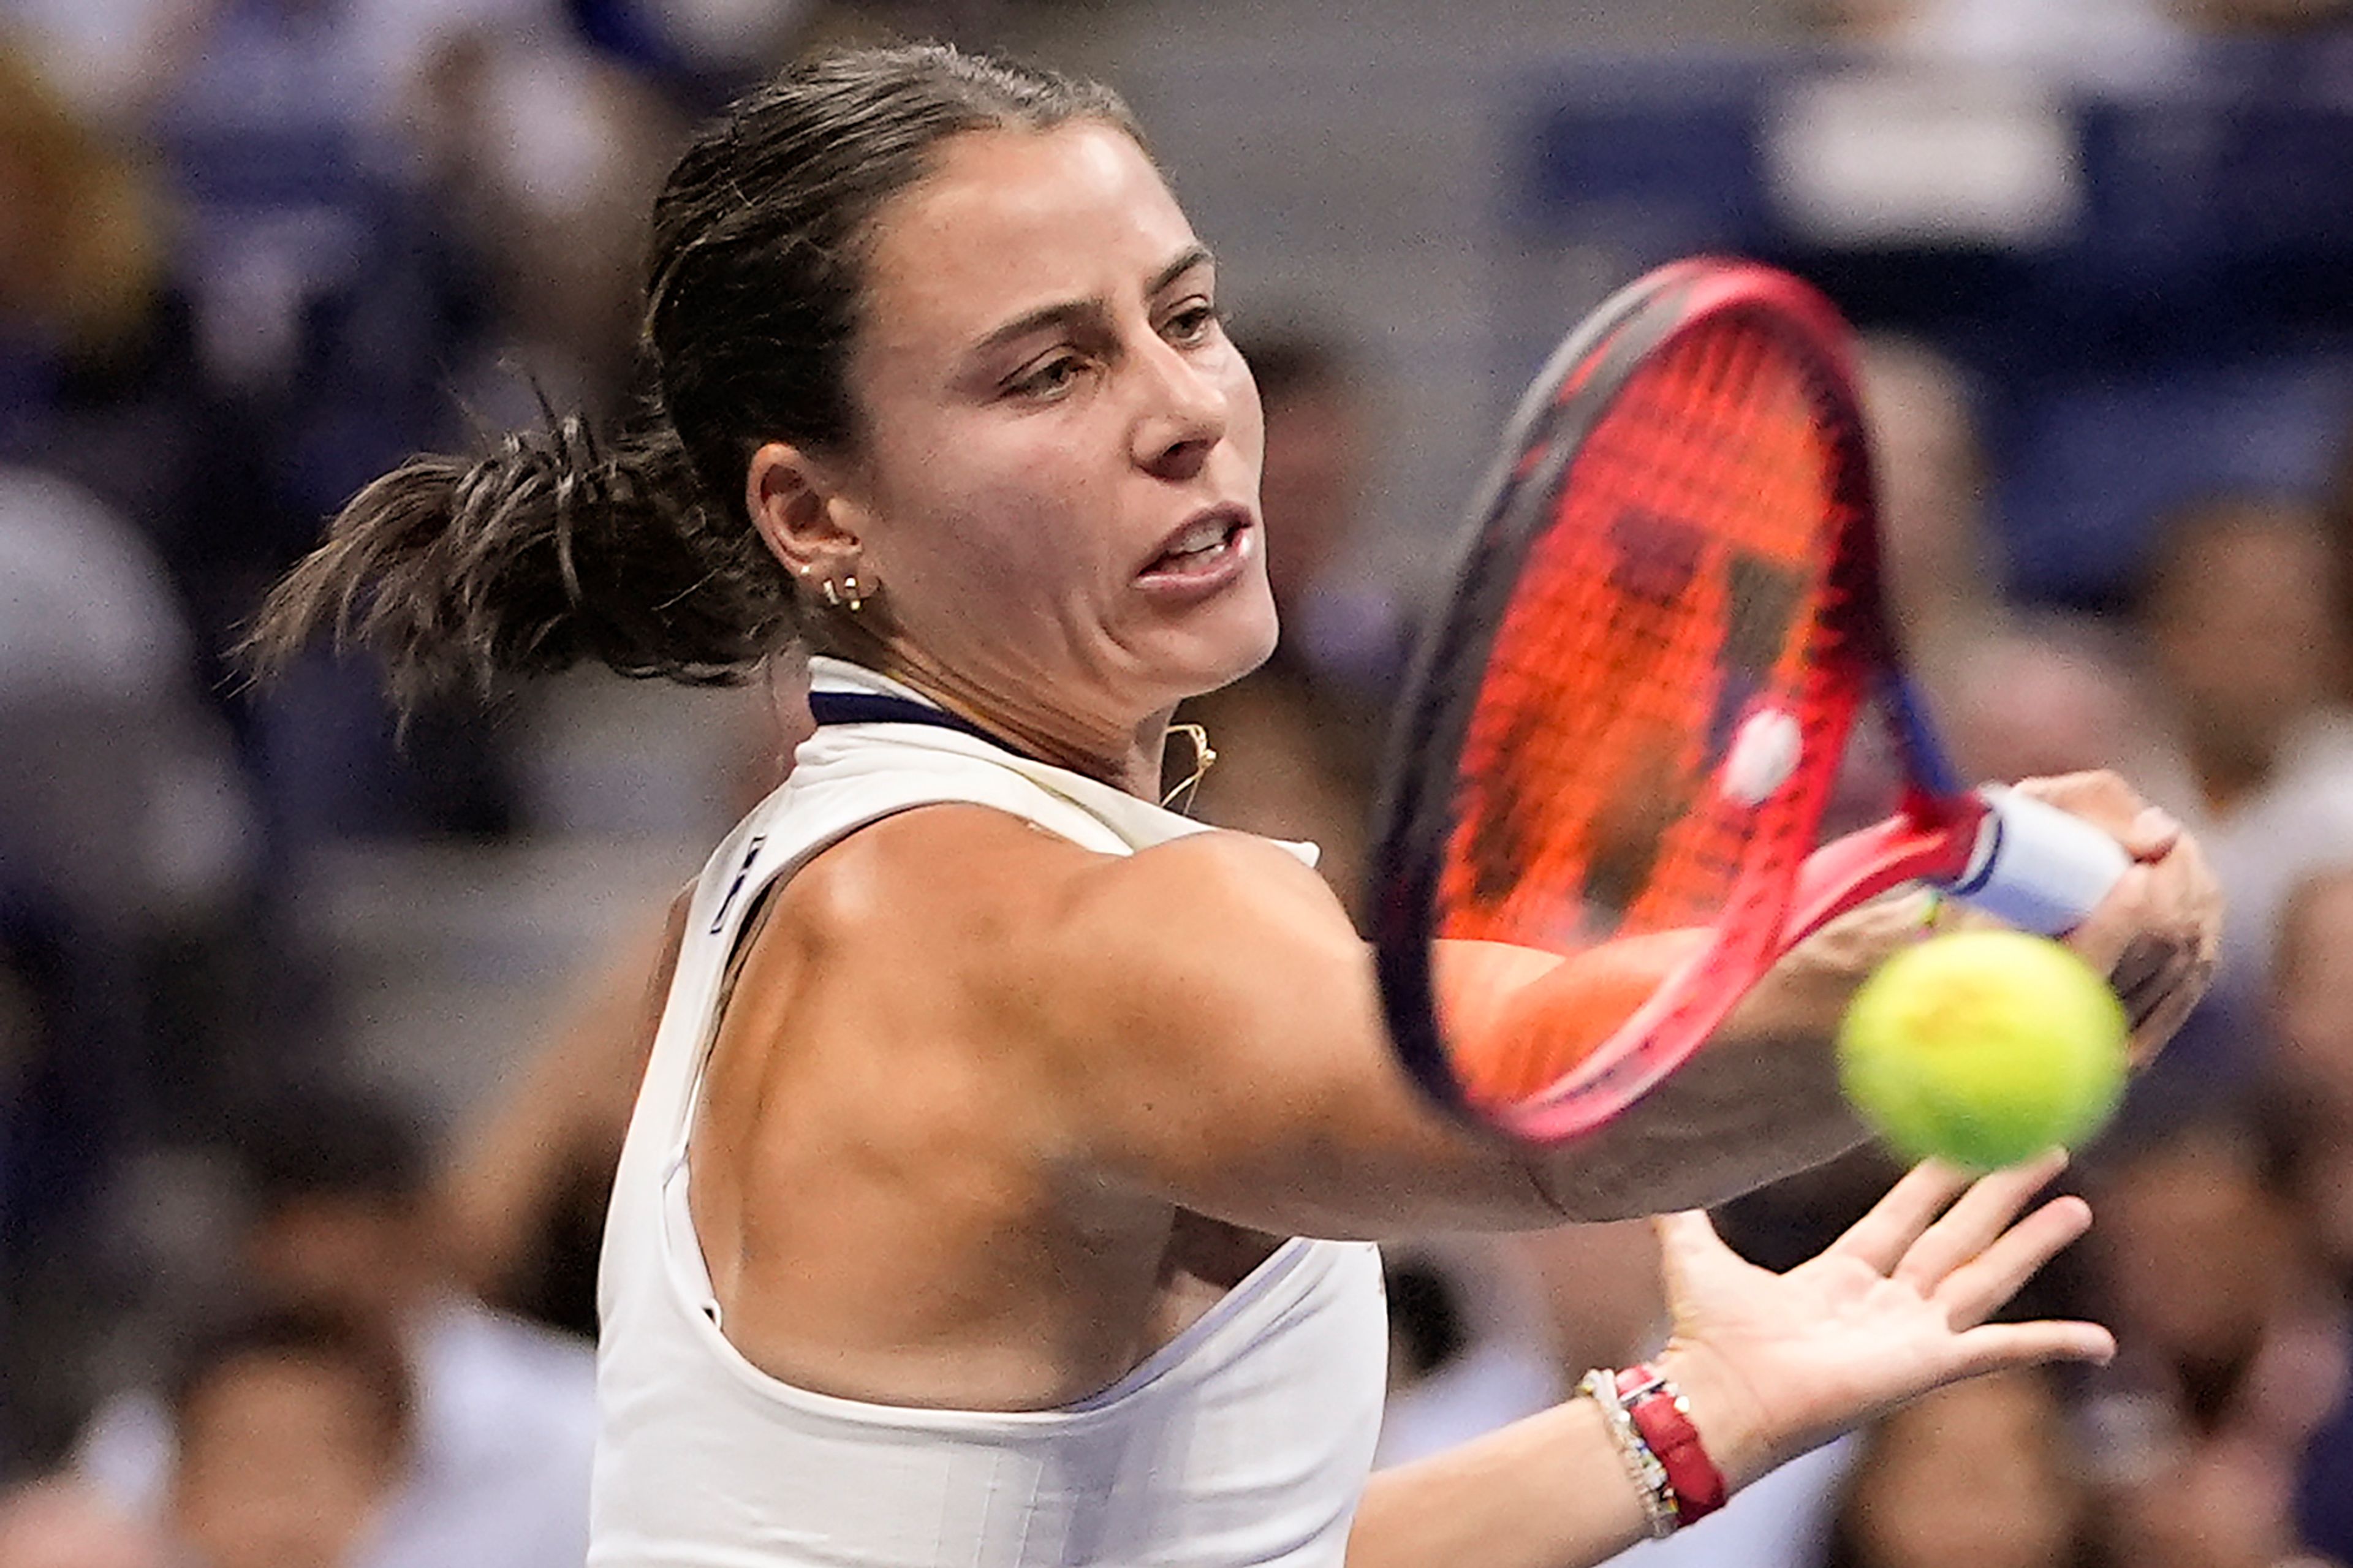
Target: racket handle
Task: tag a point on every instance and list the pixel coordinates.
(2036, 867)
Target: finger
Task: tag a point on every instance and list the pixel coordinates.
(2100, 798)
(1688, 1234)
(1692, 1257)
(1879, 1238)
(1978, 1289)
(1970, 1226)
(2126, 912)
(1997, 1347)
(2186, 897)
(2177, 986)
(2170, 1013)
(2149, 966)
(2152, 834)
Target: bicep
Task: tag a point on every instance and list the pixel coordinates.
(1219, 1041)
(1217, 1029)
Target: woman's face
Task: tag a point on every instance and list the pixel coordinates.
(1057, 479)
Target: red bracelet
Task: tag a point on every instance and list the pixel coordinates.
(1662, 1417)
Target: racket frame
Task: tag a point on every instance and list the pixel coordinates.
(1938, 833)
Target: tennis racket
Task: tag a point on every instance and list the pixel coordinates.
(1614, 752)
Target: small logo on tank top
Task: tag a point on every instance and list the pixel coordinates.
(743, 875)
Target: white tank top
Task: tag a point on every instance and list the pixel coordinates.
(1246, 1440)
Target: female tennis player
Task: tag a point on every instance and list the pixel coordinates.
(1002, 1182)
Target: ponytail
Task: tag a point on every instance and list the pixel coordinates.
(554, 549)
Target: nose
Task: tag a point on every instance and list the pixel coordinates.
(1181, 414)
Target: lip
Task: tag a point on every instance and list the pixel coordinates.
(1219, 569)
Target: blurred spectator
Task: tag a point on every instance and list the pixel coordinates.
(92, 653)
(2312, 1007)
(80, 252)
(505, 1413)
(2274, 18)
(2312, 1065)
(62, 1524)
(2240, 608)
(1313, 472)
(321, 304)
(98, 379)
(2234, 1349)
(1984, 1474)
(125, 825)
(112, 59)
(1942, 575)
(2108, 41)
(706, 50)
(526, 1191)
(1468, 1349)
(125, 861)
(290, 1434)
(2046, 694)
(1311, 492)
(1937, 562)
(525, 1188)
(545, 158)
(1297, 741)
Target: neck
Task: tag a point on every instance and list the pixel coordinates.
(1128, 758)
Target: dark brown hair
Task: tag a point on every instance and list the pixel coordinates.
(557, 547)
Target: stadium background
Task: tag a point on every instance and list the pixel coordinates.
(289, 1007)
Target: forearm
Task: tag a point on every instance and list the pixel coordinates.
(1550, 1492)
(1758, 1101)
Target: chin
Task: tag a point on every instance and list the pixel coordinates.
(1223, 653)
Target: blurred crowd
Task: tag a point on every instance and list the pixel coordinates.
(272, 1298)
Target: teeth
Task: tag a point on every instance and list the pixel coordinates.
(1200, 537)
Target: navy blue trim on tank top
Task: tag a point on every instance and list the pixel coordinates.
(881, 708)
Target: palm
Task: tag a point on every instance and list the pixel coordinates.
(1894, 1307)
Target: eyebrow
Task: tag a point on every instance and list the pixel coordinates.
(1071, 312)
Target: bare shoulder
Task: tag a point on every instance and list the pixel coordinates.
(987, 892)
(1094, 966)
(1195, 1023)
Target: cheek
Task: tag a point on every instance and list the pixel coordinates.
(1000, 517)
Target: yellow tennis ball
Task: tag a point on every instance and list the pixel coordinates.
(1984, 1048)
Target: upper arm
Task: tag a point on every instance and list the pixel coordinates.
(1214, 1034)
(1200, 1021)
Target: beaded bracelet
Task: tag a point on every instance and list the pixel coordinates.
(1642, 1466)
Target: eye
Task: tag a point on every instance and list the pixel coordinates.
(1193, 322)
(1050, 378)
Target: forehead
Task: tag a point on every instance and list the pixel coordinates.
(1011, 220)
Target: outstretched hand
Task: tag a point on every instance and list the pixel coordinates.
(1774, 1363)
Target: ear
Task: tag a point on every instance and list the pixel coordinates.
(801, 510)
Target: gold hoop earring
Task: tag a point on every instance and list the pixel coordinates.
(850, 588)
(831, 597)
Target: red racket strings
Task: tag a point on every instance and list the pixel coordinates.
(1674, 595)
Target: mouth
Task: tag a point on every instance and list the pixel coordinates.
(1211, 545)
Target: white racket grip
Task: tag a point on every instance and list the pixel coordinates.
(2036, 867)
